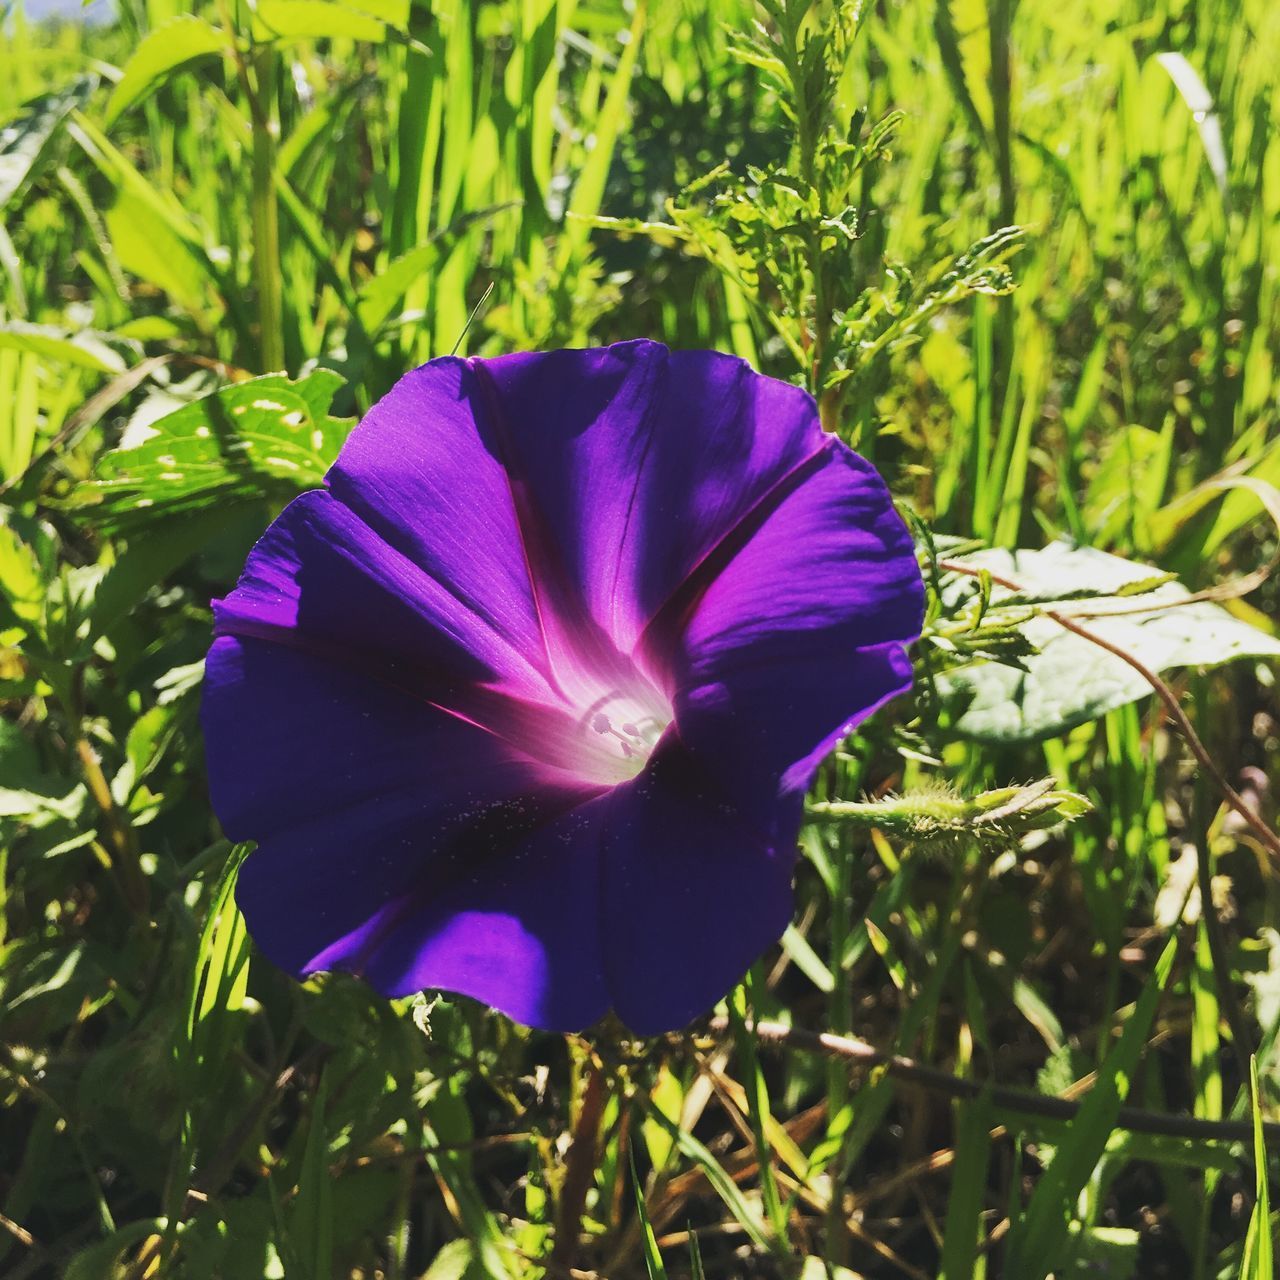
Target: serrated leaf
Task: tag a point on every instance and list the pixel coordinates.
(268, 436)
(24, 139)
(1069, 680)
(169, 48)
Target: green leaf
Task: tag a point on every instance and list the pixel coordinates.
(104, 1257)
(1257, 1264)
(588, 190)
(1070, 680)
(87, 349)
(315, 19)
(382, 293)
(1103, 1253)
(22, 585)
(653, 1263)
(267, 436)
(149, 558)
(395, 13)
(24, 140)
(168, 48)
(1038, 1241)
(969, 1182)
(29, 791)
(311, 1223)
(724, 1185)
(149, 248)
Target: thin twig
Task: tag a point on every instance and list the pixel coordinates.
(1165, 694)
(1024, 1101)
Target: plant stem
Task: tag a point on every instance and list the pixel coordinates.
(1023, 1101)
(580, 1167)
(123, 846)
(266, 222)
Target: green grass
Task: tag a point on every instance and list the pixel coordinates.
(360, 187)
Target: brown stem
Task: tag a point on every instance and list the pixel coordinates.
(124, 847)
(580, 1168)
(1133, 1119)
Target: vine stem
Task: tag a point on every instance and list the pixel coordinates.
(580, 1167)
(907, 1070)
(1165, 694)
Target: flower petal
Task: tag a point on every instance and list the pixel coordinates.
(801, 634)
(418, 472)
(321, 579)
(692, 893)
(516, 926)
(630, 463)
(354, 792)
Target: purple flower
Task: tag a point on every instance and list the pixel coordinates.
(524, 702)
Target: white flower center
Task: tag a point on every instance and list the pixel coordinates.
(618, 732)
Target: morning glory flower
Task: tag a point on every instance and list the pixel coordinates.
(523, 703)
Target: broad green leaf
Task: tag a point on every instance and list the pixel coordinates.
(24, 139)
(456, 1261)
(28, 790)
(87, 349)
(169, 48)
(1039, 1239)
(668, 1097)
(383, 292)
(315, 19)
(21, 582)
(149, 248)
(395, 13)
(157, 238)
(151, 555)
(1069, 680)
(267, 436)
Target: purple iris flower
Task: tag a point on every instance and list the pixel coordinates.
(523, 703)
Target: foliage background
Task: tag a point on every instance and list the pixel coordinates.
(192, 195)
